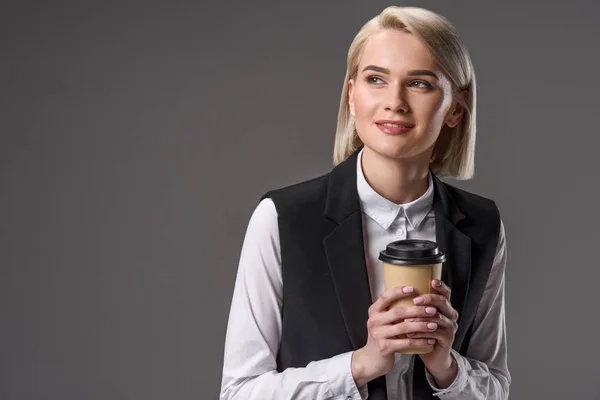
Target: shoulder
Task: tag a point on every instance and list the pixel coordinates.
(262, 227)
(483, 221)
(473, 205)
(304, 195)
(264, 215)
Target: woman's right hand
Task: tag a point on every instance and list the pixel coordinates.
(387, 334)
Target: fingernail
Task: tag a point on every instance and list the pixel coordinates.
(430, 310)
(431, 341)
(407, 289)
(419, 300)
(437, 283)
(432, 325)
(409, 320)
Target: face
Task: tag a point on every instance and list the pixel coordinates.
(400, 99)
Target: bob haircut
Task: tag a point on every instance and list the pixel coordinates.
(454, 152)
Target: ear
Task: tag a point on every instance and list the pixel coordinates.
(456, 112)
(351, 96)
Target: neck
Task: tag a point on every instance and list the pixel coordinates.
(398, 180)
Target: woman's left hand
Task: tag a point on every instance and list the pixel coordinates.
(440, 362)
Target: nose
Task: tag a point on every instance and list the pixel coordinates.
(396, 101)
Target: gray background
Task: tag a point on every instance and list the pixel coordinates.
(136, 140)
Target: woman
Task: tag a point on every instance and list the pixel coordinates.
(309, 317)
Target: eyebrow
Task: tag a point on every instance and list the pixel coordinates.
(415, 72)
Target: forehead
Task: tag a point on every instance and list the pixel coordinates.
(397, 51)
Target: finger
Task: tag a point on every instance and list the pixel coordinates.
(439, 318)
(447, 324)
(439, 337)
(401, 314)
(441, 288)
(389, 346)
(438, 301)
(404, 328)
(442, 336)
(442, 322)
(389, 296)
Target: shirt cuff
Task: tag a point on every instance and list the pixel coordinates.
(341, 382)
(457, 386)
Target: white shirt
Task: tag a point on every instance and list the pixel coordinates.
(254, 327)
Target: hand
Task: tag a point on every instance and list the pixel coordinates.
(387, 334)
(439, 362)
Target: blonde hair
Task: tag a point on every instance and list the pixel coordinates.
(454, 156)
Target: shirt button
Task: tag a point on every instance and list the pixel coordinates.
(400, 232)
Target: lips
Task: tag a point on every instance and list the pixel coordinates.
(394, 127)
(395, 124)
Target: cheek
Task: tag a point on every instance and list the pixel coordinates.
(365, 104)
(432, 109)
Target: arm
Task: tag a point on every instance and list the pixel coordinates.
(483, 373)
(254, 329)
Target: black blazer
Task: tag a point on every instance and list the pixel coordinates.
(326, 292)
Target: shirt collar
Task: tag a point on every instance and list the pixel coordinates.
(385, 212)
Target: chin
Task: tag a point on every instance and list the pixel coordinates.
(399, 152)
(389, 150)
(402, 147)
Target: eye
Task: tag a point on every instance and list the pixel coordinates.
(420, 84)
(373, 79)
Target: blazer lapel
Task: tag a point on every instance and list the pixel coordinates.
(457, 247)
(345, 251)
(344, 248)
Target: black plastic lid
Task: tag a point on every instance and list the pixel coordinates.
(412, 252)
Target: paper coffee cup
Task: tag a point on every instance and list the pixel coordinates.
(412, 263)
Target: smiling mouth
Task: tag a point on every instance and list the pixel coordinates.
(393, 129)
(390, 125)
